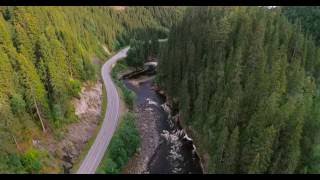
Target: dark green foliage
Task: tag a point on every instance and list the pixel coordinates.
(246, 81)
(31, 161)
(75, 87)
(89, 70)
(112, 167)
(129, 97)
(142, 50)
(307, 16)
(127, 94)
(122, 147)
(136, 55)
(14, 162)
(18, 104)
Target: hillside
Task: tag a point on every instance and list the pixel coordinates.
(45, 55)
(246, 87)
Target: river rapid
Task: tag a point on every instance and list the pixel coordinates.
(175, 152)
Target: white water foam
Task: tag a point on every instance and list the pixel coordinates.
(187, 138)
(151, 102)
(175, 157)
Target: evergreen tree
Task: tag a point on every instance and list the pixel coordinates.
(246, 86)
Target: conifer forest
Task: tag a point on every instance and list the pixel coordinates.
(243, 83)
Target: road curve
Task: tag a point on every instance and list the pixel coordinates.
(97, 150)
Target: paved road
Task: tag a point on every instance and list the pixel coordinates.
(97, 150)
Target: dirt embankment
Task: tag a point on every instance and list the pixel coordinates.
(76, 135)
(88, 109)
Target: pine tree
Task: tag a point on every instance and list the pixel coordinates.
(249, 69)
(231, 157)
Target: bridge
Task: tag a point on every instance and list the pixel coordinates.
(149, 68)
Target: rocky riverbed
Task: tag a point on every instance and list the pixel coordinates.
(165, 147)
(146, 123)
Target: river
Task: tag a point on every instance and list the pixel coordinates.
(175, 153)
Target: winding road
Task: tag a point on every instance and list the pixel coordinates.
(100, 145)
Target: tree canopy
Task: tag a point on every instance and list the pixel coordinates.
(246, 82)
(45, 55)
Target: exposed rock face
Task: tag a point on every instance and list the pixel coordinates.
(88, 109)
(89, 103)
(76, 135)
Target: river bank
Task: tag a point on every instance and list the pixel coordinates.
(165, 148)
(146, 123)
(201, 152)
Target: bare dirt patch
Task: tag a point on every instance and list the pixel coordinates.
(88, 109)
